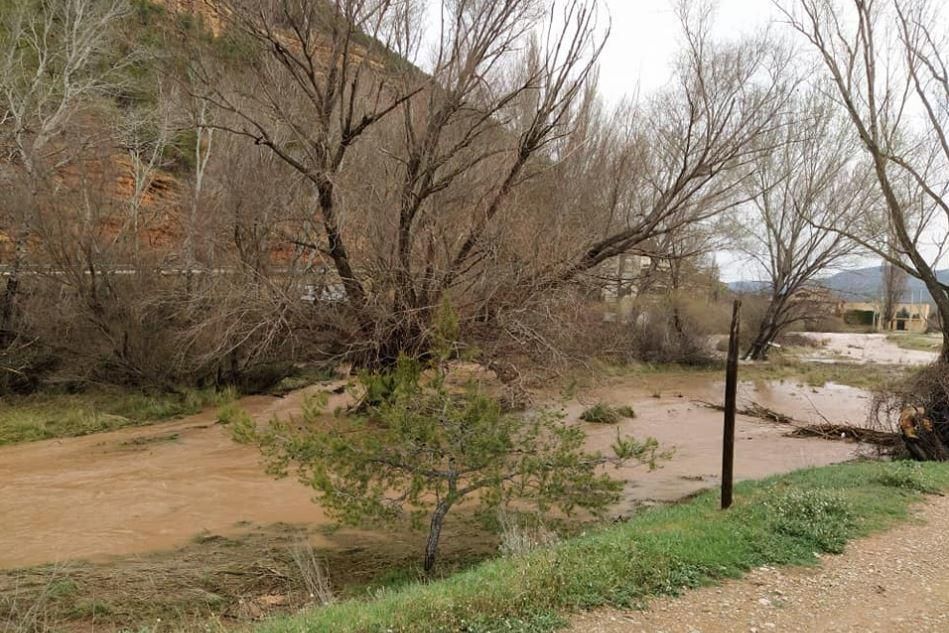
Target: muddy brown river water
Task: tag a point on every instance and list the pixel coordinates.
(157, 487)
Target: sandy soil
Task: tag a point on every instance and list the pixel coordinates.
(897, 582)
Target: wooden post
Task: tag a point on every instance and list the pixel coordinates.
(731, 387)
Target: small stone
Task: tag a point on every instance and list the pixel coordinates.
(764, 602)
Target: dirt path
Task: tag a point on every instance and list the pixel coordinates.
(897, 582)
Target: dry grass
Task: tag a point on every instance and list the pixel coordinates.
(311, 570)
(523, 534)
(219, 582)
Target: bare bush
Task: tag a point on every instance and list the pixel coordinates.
(312, 572)
(521, 535)
(656, 337)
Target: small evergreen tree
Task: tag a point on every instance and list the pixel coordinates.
(417, 446)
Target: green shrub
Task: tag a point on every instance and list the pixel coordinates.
(605, 414)
(231, 413)
(626, 411)
(416, 448)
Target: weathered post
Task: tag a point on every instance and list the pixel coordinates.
(731, 387)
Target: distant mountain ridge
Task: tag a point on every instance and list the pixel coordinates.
(861, 284)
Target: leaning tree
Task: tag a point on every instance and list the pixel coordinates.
(484, 171)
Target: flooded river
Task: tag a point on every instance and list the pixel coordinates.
(157, 487)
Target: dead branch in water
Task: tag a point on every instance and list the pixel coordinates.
(830, 431)
(826, 430)
(754, 410)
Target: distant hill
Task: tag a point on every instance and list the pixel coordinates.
(861, 284)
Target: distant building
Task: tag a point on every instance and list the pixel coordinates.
(623, 275)
(908, 317)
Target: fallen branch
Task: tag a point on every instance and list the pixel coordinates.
(754, 410)
(829, 431)
(825, 431)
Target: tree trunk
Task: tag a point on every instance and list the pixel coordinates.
(8, 301)
(925, 439)
(434, 533)
(767, 332)
(942, 306)
(6, 307)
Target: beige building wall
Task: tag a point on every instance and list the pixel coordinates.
(910, 317)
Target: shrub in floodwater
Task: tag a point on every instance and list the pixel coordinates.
(415, 447)
(601, 413)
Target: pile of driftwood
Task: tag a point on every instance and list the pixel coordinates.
(826, 430)
(923, 439)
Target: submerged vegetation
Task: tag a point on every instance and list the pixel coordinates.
(601, 413)
(48, 415)
(917, 342)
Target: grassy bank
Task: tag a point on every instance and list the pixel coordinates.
(777, 521)
(917, 342)
(45, 416)
(781, 367)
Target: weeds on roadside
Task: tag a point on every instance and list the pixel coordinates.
(820, 516)
(521, 534)
(908, 475)
(312, 572)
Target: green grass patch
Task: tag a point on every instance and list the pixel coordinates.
(868, 376)
(778, 521)
(44, 416)
(917, 342)
(780, 367)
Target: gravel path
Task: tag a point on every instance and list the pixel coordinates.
(896, 582)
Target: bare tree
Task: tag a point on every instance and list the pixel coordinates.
(51, 55)
(315, 93)
(326, 90)
(686, 155)
(144, 135)
(807, 182)
(495, 177)
(887, 62)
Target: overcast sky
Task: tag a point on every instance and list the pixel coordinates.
(638, 57)
(646, 35)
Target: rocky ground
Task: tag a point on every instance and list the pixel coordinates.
(895, 582)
